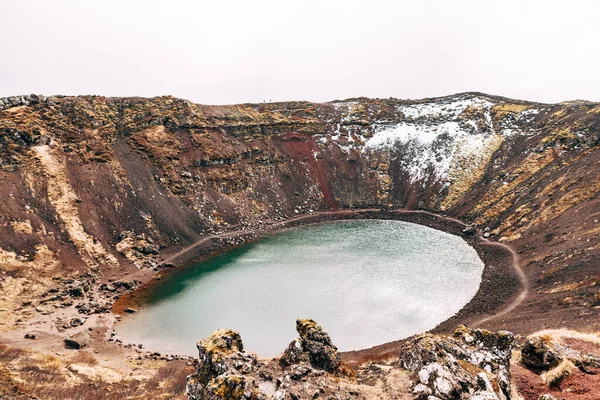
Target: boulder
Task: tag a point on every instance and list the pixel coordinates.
(539, 354)
(474, 364)
(470, 230)
(148, 250)
(314, 346)
(222, 364)
(78, 340)
(556, 360)
(76, 322)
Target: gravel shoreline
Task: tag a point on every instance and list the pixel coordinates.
(499, 282)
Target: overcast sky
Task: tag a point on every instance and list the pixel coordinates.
(218, 52)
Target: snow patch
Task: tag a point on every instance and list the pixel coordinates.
(433, 136)
(443, 109)
(441, 118)
(388, 136)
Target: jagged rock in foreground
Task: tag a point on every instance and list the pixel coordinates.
(545, 355)
(474, 364)
(221, 364)
(314, 346)
(556, 361)
(225, 371)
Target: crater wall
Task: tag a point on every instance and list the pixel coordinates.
(106, 186)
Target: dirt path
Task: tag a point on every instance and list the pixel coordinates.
(173, 257)
(385, 350)
(524, 286)
(515, 257)
(516, 265)
(275, 225)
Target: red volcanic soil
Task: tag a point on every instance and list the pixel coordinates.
(577, 386)
(300, 147)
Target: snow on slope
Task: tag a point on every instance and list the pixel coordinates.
(433, 135)
(438, 136)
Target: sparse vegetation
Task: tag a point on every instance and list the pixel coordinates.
(555, 376)
(26, 374)
(172, 377)
(8, 354)
(84, 357)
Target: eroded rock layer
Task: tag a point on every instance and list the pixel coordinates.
(99, 185)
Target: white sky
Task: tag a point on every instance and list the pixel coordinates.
(226, 51)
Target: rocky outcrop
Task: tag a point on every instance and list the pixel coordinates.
(313, 346)
(225, 371)
(139, 249)
(24, 100)
(542, 354)
(221, 369)
(536, 353)
(474, 364)
(78, 341)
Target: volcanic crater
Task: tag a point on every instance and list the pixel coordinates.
(105, 197)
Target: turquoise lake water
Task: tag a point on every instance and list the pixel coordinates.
(366, 282)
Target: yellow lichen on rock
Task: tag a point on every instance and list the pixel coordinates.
(304, 325)
(227, 388)
(223, 341)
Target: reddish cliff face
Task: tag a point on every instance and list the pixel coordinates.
(106, 185)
